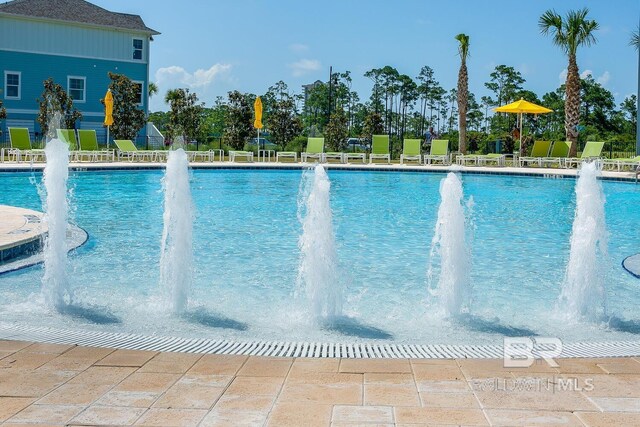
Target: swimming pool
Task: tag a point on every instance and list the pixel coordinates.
(246, 258)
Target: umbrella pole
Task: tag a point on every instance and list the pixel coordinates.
(107, 137)
(521, 153)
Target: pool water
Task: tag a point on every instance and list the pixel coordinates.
(246, 258)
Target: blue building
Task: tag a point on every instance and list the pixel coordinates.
(77, 44)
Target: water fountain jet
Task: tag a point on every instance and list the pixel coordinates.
(55, 284)
(583, 294)
(449, 252)
(317, 271)
(176, 253)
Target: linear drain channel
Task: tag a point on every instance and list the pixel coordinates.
(296, 349)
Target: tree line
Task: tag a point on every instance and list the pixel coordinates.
(406, 107)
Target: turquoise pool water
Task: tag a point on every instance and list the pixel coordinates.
(246, 256)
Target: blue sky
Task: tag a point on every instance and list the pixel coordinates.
(213, 47)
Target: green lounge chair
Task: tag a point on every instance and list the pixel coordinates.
(559, 152)
(439, 151)
(21, 146)
(315, 150)
(411, 151)
(334, 155)
(89, 149)
(68, 136)
(621, 162)
(538, 152)
(126, 148)
(592, 151)
(380, 148)
(497, 158)
(287, 154)
(248, 155)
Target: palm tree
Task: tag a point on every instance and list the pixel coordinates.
(635, 41)
(463, 91)
(570, 33)
(153, 89)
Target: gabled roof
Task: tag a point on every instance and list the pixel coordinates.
(79, 11)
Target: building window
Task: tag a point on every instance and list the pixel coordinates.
(139, 89)
(12, 84)
(137, 49)
(77, 88)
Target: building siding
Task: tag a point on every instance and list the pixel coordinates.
(37, 68)
(68, 39)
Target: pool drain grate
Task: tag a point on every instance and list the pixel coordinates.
(295, 349)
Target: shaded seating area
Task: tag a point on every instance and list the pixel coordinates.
(438, 152)
(539, 151)
(380, 148)
(559, 152)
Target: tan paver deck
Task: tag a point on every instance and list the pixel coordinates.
(19, 226)
(52, 384)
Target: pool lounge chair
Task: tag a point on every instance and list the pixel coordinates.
(355, 156)
(497, 158)
(622, 162)
(559, 152)
(233, 155)
(463, 159)
(439, 151)
(21, 147)
(334, 155)
(592, 151)
(380, 148)
(314, 150)
(539, 151)
(126, 148)
(68, 136)
(411, 151)
(287, 155)
(89, 149)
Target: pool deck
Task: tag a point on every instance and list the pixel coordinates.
(19, 228)
(60, 384)
(54, 384)
(503, 170)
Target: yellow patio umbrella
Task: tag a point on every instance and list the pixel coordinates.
(257, 106)
(108, 112)
(521, 107)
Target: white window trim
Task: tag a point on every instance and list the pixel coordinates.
(141, 83)
(15, 98)
(134, 49)
(84, 90)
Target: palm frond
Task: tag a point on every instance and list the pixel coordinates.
(635, 39)
(463, 48)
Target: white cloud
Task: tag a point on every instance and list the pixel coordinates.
(199, 78)
(563, 76)
(304, 66)
(203, 82)
(298, 47)
(586, 73)
(604, 78)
